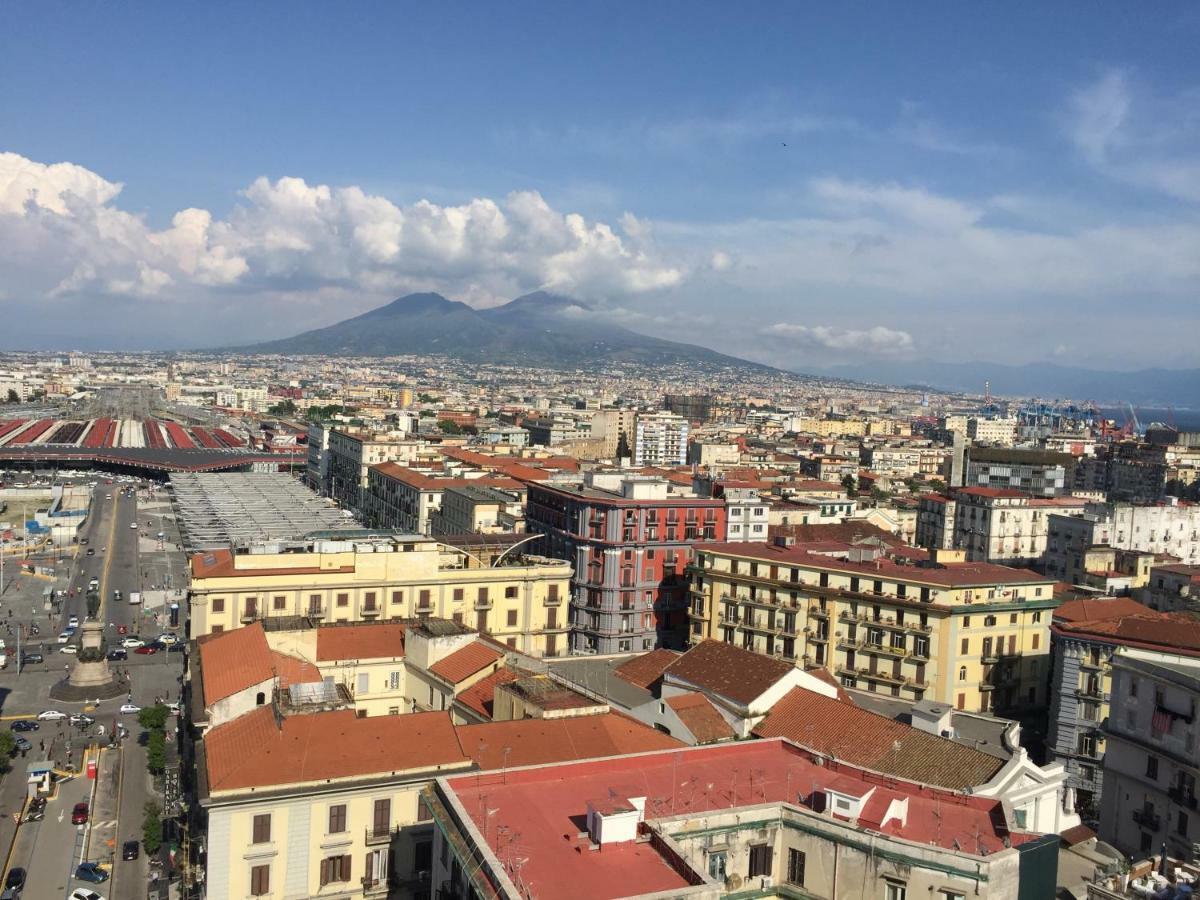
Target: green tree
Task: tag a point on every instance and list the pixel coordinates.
(850, 483)
(937, 485)
(283, 408)
(156, 752)
(8, 746)
(12, 396)
(153, 718)
(623, 451)
(425, 398)
(448, 427)
(151, 828)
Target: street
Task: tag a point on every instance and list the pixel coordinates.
(126, 559)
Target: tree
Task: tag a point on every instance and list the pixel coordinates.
(623, 451)
(937, 485)
(12, 396)
(850, 483)
(8, 746)
(156, 752)
(425, 398)
(153, 718)
(151, 828)
(283, 408)
(448, 427)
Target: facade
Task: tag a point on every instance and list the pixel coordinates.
(759, 818)
(351, 456)
(693, 407)
(1151, 764)
(1037, 472)
(1170, 529)
(629, 539)
(747, 514)
(609, 424)
(316, 474)
(478, 508)
(971, 635)
(996, 432)
(998, 525)
(1172, 588)
(713, 453)
(522, 602)
(662, 440)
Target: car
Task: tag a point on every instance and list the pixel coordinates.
(132, 642)
(117, 596)
(82, 719)
(117, 653)
(128, 709)
(66, 636)
(91, 551)
(27, 658)
(24, 725)
(91, 871)
(122, 629)
(84, 894)
(105, 547)
(83, 541)
(51, 715)
(73, 622)
(68, 648)
(79, 815)
(108, 496)
(168, 638)
(22, 745)
(93, 584)
(15, 880)
(147, 649)
(129, 850)
(37, 804)
(133, 525)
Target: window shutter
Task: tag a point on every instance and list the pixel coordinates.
(324, 872)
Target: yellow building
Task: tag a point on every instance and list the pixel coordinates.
(518, 599)
(975, 635)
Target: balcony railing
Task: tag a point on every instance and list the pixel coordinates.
(1147, 818)
(375, 887)
(484, 603)
(375, 836)
(990, 657)
(1183, 797)
(315, 612)
(370, 611)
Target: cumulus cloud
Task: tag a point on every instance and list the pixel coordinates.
(878, 340)
(66, 235)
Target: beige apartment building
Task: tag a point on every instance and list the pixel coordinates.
(974, 635)
(351, 454)
(519, 599)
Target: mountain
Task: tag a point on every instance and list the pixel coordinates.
(1144, 387)
(539, 329)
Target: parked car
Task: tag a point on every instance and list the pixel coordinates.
(68, 648)
(73, 622)
(66, 636)
(27, 658)
(117, 653)
(15, 880)
(133, 525)
(84, 894)
(22, 745)
(82, 719)
(168, 638)
(91, 551)
(129, 850)
(128, 709)
(147, 649)
(24, 725)
(132, 642)
(91, 871)
(51, 715)
(79, 815)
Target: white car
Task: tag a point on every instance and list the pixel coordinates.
(133, 525)
(132, 643)
(168, 638)
(51, 715)
(73, 622)
(128, 709)
(68, 648)
(66, 636)
(85, 894)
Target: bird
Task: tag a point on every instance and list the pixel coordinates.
(784, 143)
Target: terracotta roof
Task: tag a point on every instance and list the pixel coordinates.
(291, 670)
(1177, 632)
(701, 718)
(1092, 609)
(842, 533)
(232, 661)
(822, 674)
(462, 664)
(481, 696)
(536, 741)
(863, 738)
(374, 640)
(220, 564)
(642, 671)
(253, 751)
(729, 671)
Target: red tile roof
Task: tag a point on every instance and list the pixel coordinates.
(290, 670)
(231, 661)
(642, 671)
(462, 664)
(863, 738)
(527, 742)
(374, 640)
(1173, 632)
(253, 751)
(220, 564)
(480, 697)
(728, 671)
(701, 718)
(1090, 609)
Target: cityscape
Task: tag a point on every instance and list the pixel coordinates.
(828, 532)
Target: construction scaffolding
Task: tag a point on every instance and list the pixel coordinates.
(216, 510)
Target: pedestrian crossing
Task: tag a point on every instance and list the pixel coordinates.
(106, 823)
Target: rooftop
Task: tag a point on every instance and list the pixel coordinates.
(529, 742)
(462, 664)
(728, 671)
(644, 670)
(233, 661)
(701, 718)
(374, 640)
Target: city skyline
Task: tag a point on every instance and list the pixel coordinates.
(800, 188)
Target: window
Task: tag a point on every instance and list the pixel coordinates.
(279, 603)
(1152, 768)
(218, 604)
(795, 872)
(1181, 824)
(393, 681)
(458, 595)
(947, 894)
(966, 646)
(512, 618)
(1037, 616)
(260, 880)
(337, 818)
(962, 673)
(895, 890)
(1037, 640)
(552, 592)
(424, 813)
(716, 865)
(335, 868)
(397, 596)
(381, 819)
(423, 601)
(343, 599)
(760, 859)
(510, 592)
(369, 600)
(481, 595)
(262, 829)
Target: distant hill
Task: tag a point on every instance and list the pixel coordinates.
(1144, 387)
(538, 329)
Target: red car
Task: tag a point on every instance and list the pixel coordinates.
(146, 649)
(79, 815)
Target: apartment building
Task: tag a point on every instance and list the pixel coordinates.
(1172, 588)
(713, 454)
(994, 432)
(401, 498)
(998, 525)
(661, 440)
(1037, 472)
(609, 424)
(747, 514)
(757, 818)
(521, 600)
(628, 538)
(897, 461)
(480, 508)
(1166, 529)
(1151, 765)
(351, 456)
(972, 635)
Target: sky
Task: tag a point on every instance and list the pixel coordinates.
(804, 184)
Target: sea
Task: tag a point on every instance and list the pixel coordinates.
(1185, 419)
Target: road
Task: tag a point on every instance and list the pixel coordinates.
(122, 556)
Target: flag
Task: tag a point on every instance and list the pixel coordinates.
(1160, 722)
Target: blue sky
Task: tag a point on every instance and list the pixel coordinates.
(816, 183)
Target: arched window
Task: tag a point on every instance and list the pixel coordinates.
(962, 673)
(989, 621)
(260, 698)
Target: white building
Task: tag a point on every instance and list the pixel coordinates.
(662, 440)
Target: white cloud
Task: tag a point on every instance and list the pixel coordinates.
(878, 340)
(914, 206)
(65, 235)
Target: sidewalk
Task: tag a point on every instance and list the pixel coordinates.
(102, 843)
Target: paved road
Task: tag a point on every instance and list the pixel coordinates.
(121, 555)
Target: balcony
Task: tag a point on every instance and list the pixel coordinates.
(315, 612)
(1091, 693)
(370, 612)
(375, 887)
(1183, 797)
(249, 614)
(815, 609)
(483, 604)
(377, 836)
(1147, 818)
(990, 658)
(424, 609)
